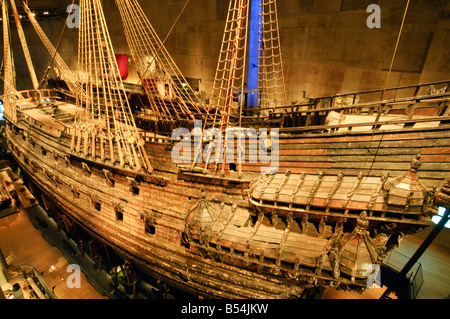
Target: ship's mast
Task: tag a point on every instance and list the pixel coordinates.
(66, 74)
(271, 75)
(249, 60)
(230, 71)
(23, 42)
(262, 55)
(10, 92)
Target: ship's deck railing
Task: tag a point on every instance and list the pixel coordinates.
(31, 95)
(401, 124)
(406, 111)
(425, 100)
(407, 104)
(151, 137)
(378, 96)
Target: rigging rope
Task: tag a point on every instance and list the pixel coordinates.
(66, 73)
(10, 92)
(231, 72)
(107, 110)
(396, 46)
(385, 87)
(57, 45)
(176, 21)
(231, 68)
(165, 86)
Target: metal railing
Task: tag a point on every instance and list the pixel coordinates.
(416, 281)
(397, 261)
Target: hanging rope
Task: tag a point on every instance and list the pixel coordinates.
(107, 110)
(396, 47)
(10, 92)
(231, 71)
(166, 88)
(271, 76)
(176, 21)
(385, 86)
(66, 73)
(25, 5)
(231, 68)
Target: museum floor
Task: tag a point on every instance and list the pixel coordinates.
(22, 244)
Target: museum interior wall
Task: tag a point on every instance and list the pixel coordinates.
(326, 45)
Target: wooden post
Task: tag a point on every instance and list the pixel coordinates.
(417, 90)
(115, 276)
(410, 110)
(447, 112)
(82, 248)
(58, 222)
(379, 111)
(93, 147)
(3, 263)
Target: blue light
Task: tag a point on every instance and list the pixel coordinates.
(437, 218)
(2, 109)
(253, 53)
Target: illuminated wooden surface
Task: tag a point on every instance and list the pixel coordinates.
(435, 265)
(22, 244)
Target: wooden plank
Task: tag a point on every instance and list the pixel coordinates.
(412, 152)
(302, 152)
(327, 144)
(435, 158)
(353, 159)
(402, 166)
(353, 138)
(425, 111)
(296, 170)
(293, 164)
(435, 150)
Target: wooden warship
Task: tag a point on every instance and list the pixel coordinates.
(336, 205)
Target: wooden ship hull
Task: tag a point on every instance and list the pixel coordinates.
(150, 231)
(319, 220)
(251, 249)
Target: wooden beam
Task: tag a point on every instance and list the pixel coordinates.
(24, 44)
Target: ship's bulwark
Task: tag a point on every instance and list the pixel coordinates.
(199, 232)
